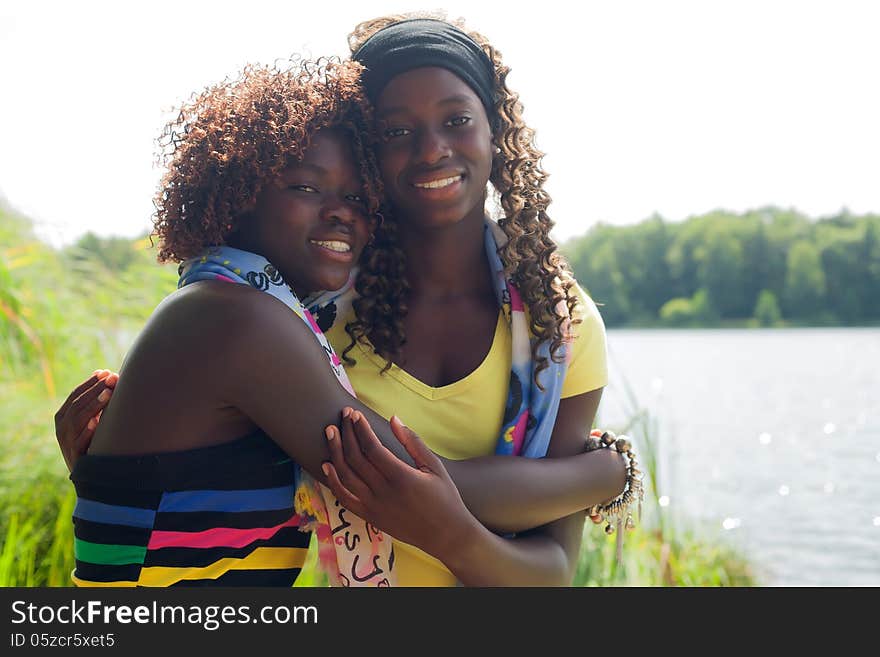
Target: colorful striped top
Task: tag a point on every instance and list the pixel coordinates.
(214, 516)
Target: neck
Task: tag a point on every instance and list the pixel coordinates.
(446, 261)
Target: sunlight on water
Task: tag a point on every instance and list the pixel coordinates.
(731, 523)
(817, 434)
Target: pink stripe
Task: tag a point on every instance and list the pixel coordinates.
(516, 304)
(217, 537)
(221, 277)
(519, 432)
(312, 322)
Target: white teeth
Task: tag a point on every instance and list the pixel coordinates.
(333, 245)
(438, 184)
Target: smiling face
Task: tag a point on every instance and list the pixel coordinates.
(436, 151)
(310, 222)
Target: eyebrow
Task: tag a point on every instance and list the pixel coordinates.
(451, 100)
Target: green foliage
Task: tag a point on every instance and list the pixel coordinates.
(767, 309)
(696, 311)
(820, 272)
(804, 281)
(62, 314)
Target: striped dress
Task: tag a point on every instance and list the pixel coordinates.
(214, 516)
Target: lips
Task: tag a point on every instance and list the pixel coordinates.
(439, 182)
(437, 186)
(339, 248)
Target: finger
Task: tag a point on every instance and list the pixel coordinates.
(70, 423)
(348, 499)
(421, 455)
(89, 405)
(352, 480)
(80, 389)
(354, 454)
(111, 380)
(379, 458)
(387, 464)
(81, 444)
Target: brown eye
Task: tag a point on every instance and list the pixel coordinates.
(393, 133)
(458, 121)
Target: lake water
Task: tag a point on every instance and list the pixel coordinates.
(768, 439)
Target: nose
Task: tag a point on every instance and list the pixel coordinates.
(338, 210)
(431, 147)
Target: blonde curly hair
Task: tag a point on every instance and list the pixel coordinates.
(531, 259)
(231, 139)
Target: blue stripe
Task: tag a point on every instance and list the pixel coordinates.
(111, 514)
(265, 499)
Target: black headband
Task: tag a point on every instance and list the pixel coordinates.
(420, 42)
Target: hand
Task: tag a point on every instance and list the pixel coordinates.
(76, 420)
(418, 505)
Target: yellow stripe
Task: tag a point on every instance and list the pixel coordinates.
(89, 583)
(264, 558)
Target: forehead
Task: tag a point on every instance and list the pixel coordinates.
(329, 149)
(422, 88)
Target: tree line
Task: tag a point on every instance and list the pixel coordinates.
(766, 267)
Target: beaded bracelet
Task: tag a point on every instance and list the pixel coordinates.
(619, 510)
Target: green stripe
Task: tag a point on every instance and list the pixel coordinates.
(108, 555)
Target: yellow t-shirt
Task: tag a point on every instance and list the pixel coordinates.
(463, 419)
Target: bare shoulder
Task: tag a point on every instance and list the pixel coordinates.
(228, 308)
(198, 321)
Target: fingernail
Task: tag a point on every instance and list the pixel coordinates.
(329, 433)
(355, 417)
(104, 396)
(92, 424)
(399, 420)
(346, 411)
(326, 469)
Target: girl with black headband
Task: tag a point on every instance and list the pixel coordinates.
(434, 336)
(437, 331)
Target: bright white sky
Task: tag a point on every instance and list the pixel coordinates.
(677, 107)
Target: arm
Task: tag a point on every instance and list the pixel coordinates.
(392, 494)
(541, 490)
(290, 392)
(546, 556)
(545, 489)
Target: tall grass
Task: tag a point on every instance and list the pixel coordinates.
(64, 313)
(660, 551)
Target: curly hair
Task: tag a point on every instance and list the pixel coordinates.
(530, 257)
(231, 139)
